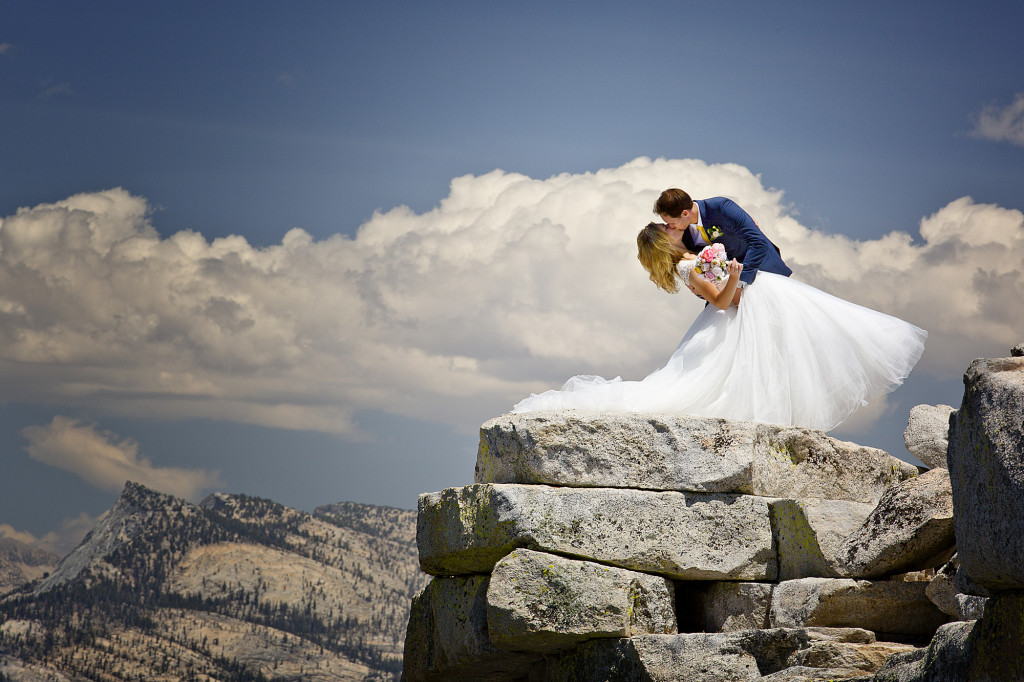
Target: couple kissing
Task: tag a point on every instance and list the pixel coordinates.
(766, 348)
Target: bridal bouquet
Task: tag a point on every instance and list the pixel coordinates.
(711, 264)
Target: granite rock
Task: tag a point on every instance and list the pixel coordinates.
(657, 658)
(680, 453)
(688, 536)
(910, 529)
(696, 657)
(927, 434)
(994, 649)
(987, 474)
(970, 606)
(865, 658)
(810, 532)
(943, 660)
(544, 603)
(620, 450)
(726, 606)
(447, 638)
(803, 673)
(943, 592)
(984, 649)
(798, 463)
(888, 606)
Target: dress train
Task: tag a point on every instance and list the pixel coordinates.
(788, 354)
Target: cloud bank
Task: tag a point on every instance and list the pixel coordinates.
(1002, 124)
(510, 285)
(103, 460)
(60, 541)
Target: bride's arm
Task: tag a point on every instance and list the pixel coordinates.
(720, 299)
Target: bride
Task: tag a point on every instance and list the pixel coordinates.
(778, 351)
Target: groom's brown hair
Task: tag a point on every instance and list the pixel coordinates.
(672, 203)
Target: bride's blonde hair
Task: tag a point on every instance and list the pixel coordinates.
(659, 256)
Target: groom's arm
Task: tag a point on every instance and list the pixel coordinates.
(757, 243)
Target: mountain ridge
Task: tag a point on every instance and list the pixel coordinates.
(233, 588)
(21, 563)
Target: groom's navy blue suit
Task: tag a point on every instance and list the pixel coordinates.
(740, 235)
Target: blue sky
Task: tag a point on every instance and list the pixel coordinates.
(841, 124)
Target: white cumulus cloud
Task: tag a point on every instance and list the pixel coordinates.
(1002, 123)
(510, 285)
(106, 461)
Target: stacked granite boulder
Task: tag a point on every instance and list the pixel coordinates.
(606, 546)
(986, 468)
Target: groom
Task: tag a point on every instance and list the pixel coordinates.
(696, 224)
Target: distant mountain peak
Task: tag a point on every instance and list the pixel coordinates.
(119, 525)
(139, 495)
(235, 587)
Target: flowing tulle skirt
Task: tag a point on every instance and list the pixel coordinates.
(788, 354)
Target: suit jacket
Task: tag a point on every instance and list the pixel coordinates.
(741, 237)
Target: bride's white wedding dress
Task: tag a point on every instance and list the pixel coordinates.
(788, 354)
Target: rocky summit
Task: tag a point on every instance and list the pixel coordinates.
(608, 546)
(235, 588)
